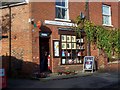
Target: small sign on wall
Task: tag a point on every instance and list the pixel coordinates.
(88, 63)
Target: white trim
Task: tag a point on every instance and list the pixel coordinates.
(68, 10)
(114, 62)
(61, 6)
(49, 22)
(76, 0)
(107, 25)
(62, 20)
(27, 1)
(109, 15)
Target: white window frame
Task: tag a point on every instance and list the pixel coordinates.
(67, 16)
(109, 15)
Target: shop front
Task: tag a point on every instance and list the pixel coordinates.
(67, 49)
(44, 37)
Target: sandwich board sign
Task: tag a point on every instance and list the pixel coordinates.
(88, 63)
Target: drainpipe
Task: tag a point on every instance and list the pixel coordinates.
(9, 40)
(87, 17)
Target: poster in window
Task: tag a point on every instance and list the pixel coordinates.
(73, 38)
(68, 45)
(63, 45)
(63, 38)
(63, 61)
(81, 40)
(68, 38)
(56, 48)
(73, 45)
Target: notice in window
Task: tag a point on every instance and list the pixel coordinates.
(56, 48)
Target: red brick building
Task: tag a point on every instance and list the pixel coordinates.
(31, 45)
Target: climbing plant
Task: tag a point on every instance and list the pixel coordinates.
(106, 39)
(90, 30)
(88, 27)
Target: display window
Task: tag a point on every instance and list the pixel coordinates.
(70, 50)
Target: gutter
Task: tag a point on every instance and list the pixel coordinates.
(12, 5)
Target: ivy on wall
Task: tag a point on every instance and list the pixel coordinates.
(106, 39)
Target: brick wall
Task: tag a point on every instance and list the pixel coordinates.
(113, 67)
(21, 42)
(25, 37)
(46, 11)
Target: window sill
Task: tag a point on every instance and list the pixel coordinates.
(107, 25)
(57, 19)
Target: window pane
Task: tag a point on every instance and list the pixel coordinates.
(63, 61)
(60, 13)
(106, 10)
(60, 2)
(63, 45)
(68, 38)
(63, 14)
(61, 9)
(73, 45)
(68, 45)
(63, 38)
(73, 38)
(74, 55)
(106, 20)
(63, 4)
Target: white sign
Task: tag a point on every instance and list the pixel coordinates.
(44, 34)
(88, 63)
(56, 47)
(58, 23)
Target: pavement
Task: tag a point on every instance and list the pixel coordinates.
(55, 76)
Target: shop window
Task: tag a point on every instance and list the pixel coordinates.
(72, 49)
(62, 9)
(106, 14)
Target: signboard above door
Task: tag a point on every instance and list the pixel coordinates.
(59, 23)
(44, 34)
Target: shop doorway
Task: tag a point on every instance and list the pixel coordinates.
(44, 52)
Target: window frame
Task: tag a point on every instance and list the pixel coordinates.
(70, 50)
(109, 15)
(67, 11)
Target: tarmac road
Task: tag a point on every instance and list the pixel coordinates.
(97, 80)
